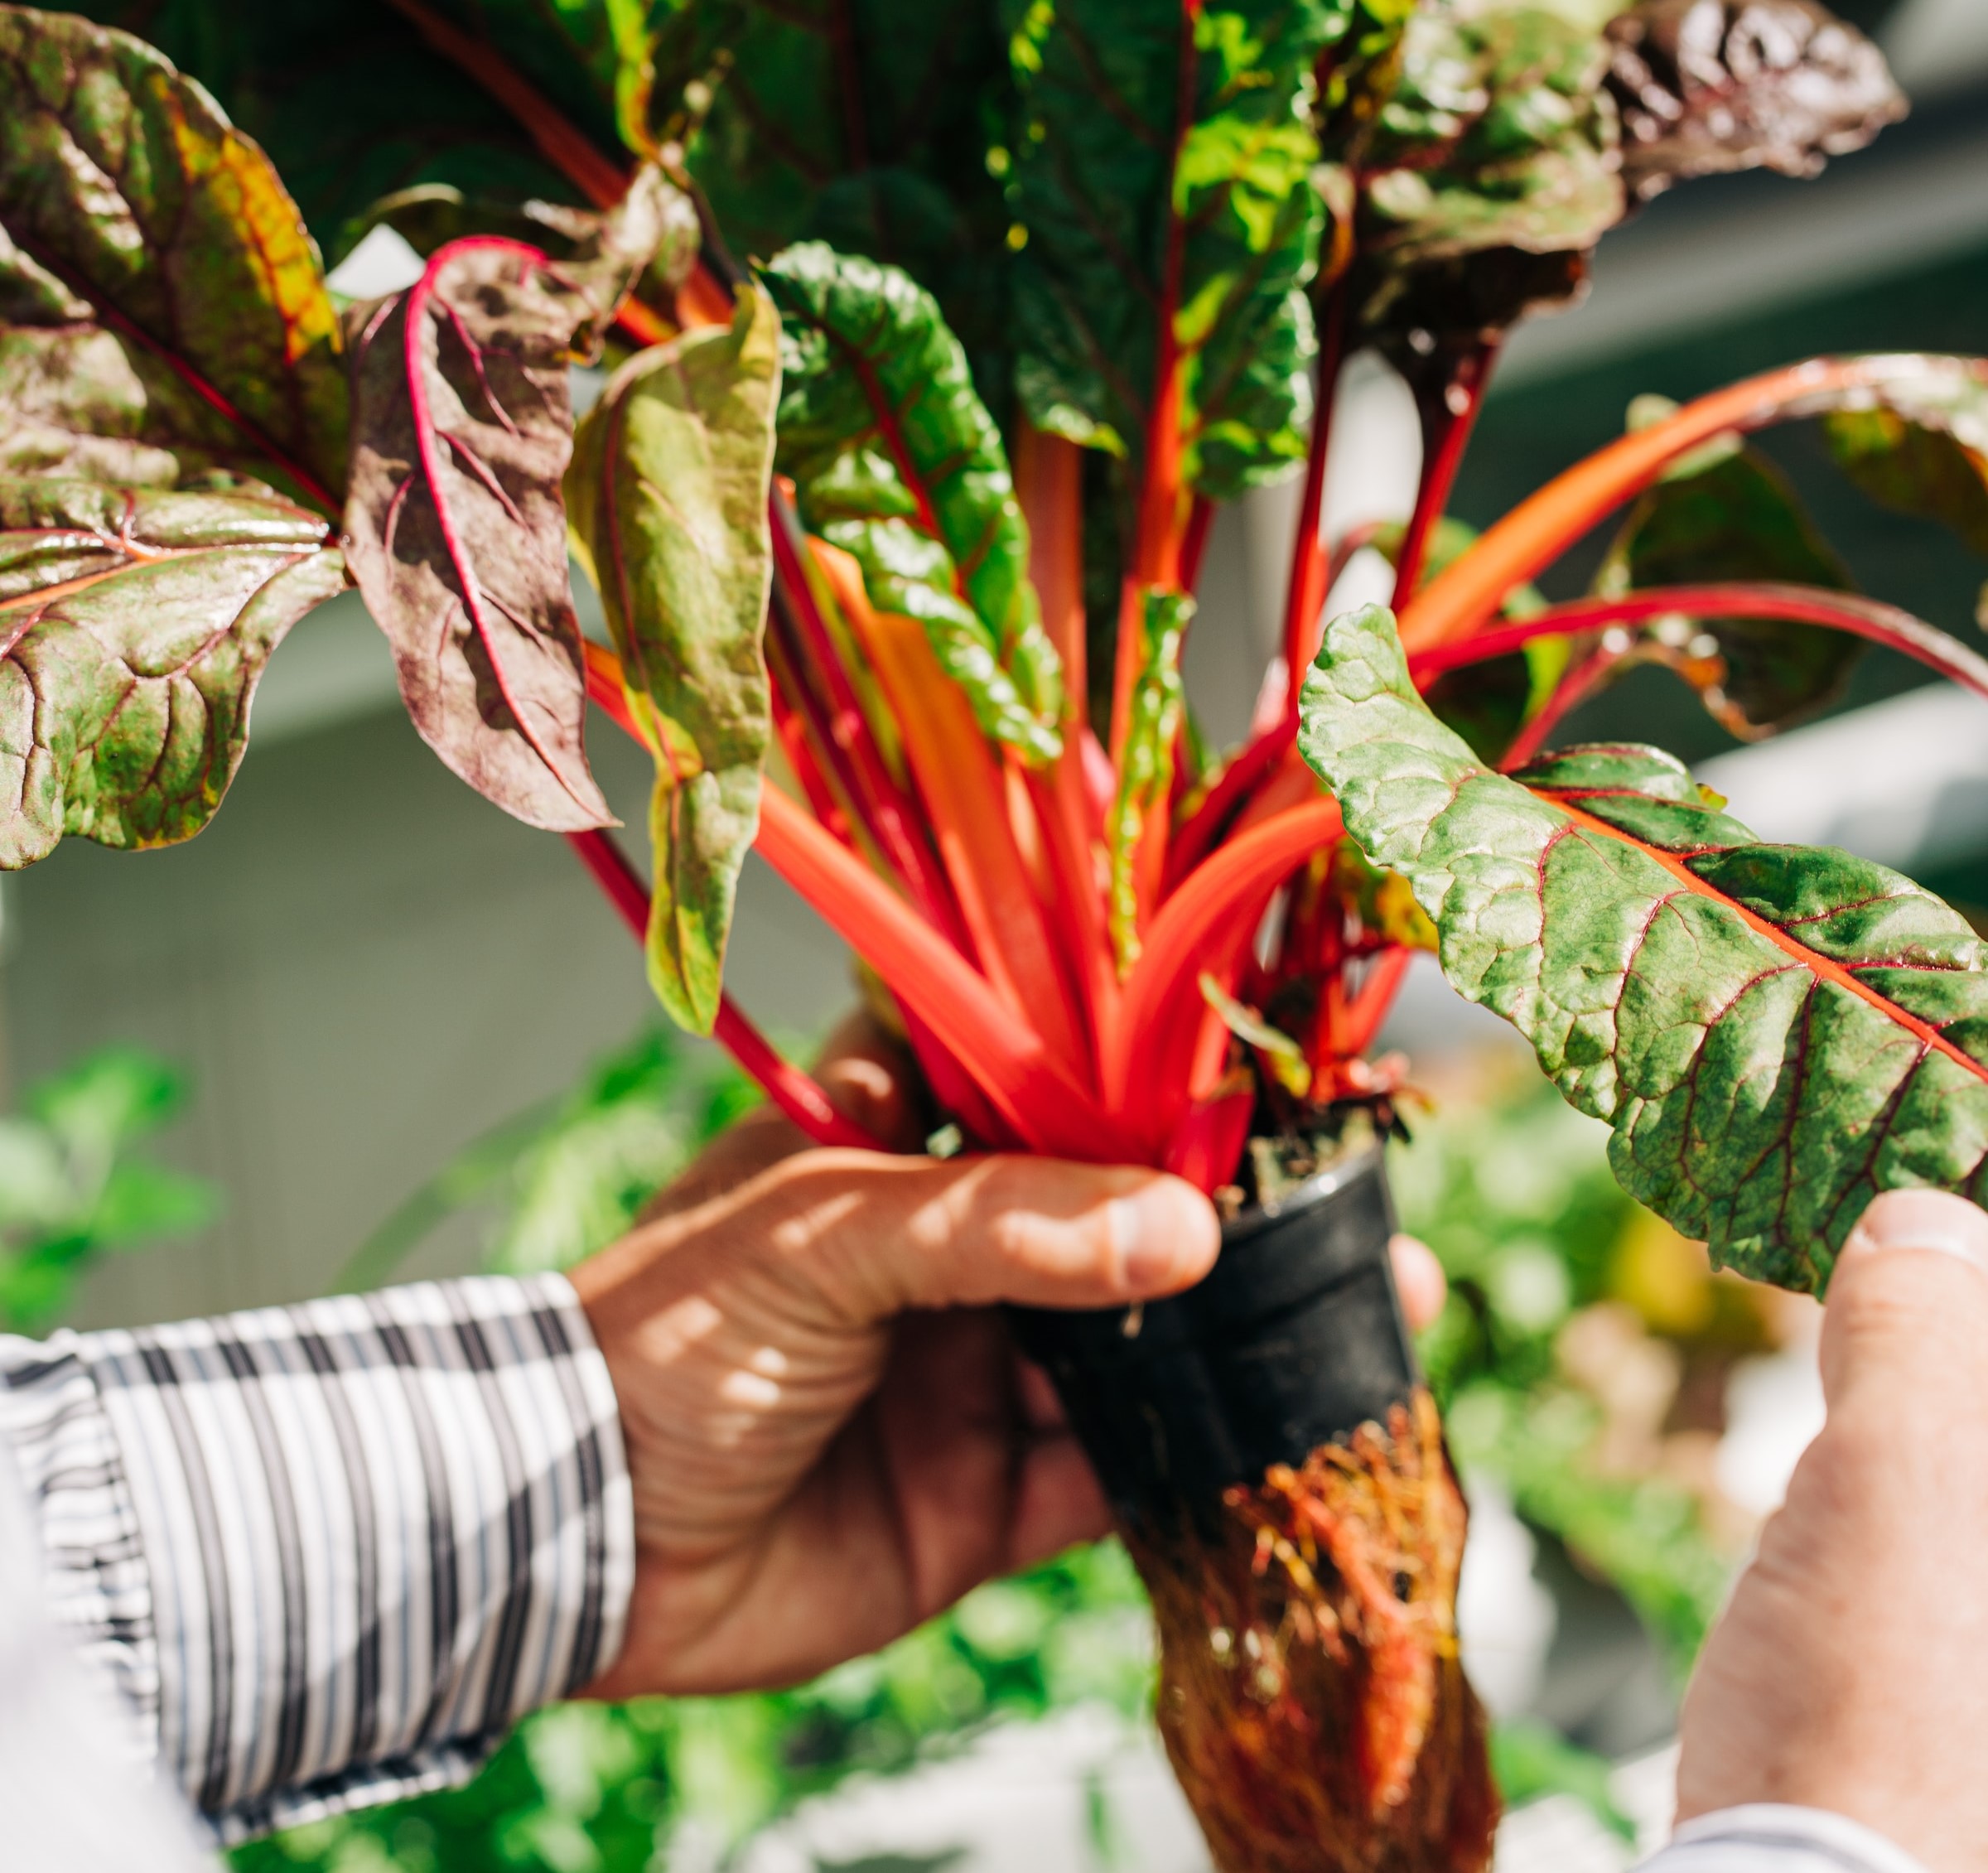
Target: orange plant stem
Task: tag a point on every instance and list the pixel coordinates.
(1470, 590)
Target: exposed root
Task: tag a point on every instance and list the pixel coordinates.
(1310, 1694)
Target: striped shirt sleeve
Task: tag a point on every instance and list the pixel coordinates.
(330, 1553)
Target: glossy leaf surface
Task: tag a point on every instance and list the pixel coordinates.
(1162, 178)
(354, 103)
(895, 460)
(868, 124)
(1147, 771)
(463, 427)
(668, 492)
(1922, 448)
(1493, 136)
(133, 626)
(163, 312)
(1705, 86)
(1774, 1033)
(1735, 518)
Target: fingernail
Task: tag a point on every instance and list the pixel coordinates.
(1930, 1219)
(1160, 1242)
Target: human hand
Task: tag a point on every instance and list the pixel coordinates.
(830, 1436)
(1849, 1671)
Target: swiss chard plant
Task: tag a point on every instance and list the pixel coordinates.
(932, 339)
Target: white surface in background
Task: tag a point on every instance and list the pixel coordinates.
(1505, 1618)
(1936, 46)
(1022, 1800)
(383, 263)
(1905, 782)
(1018, 1801)
(1773, 1409)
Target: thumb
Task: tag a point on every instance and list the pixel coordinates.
(1909, 1304)
(899, 1233)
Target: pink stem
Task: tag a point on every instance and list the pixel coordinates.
(797, 1095)
(1868, 618)
(1449, 427)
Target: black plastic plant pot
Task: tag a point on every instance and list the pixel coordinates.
(1293, 1341)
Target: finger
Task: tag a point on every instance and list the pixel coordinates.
(1908, 1301)
(1419, 1279)
(883, 1235)
(870, 1076)
(1058, 1503)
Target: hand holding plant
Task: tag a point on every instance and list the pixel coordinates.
(908, 512)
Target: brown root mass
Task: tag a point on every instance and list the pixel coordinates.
(1310, 1693)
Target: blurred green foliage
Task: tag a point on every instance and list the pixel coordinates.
(1544, 1251)
(73, 1187)
(1513, 1190)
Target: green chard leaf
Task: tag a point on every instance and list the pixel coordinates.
(1734, 517)
(462, 424)
(895, 460)
(827, 123)
(1146, 770)
(1496, 134)
(1774, 1033)
(1775, 84)
(1143, 231)
(133, 626)
(668, 492)
(162, 310)
(1922, 448)
(354, 104)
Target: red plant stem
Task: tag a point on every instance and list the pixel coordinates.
(1377, 992)
(601, 179)
(1447, 424)
(875, 795)
(794, 744)
(1193, 542)
(1541, 528)
(1867, 618)
(1034, 1095)
(1200, 928)
(792, 1091)
(1226, 798)
(1573, 689)
(1306, 590)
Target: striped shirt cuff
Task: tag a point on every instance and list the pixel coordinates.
(330, 1552)
(1777, 1837)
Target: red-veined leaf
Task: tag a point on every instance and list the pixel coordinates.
(462, 427)
(1775, 1033)
(162, 310)
(668, 489)
(133, 626)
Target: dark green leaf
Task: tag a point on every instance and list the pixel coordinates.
(133, 626)
(1146, 769)
(1774, 1033)
(462, 422)
(162, 310)
(1705, 86)
(869, 124)
(668, 493)
(1494, 136)
(1924, 450)
(1147, 228)
(354, 104)
(1735, 518)
(896, 461)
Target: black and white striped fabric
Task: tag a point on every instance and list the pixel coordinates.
(329, 1552)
